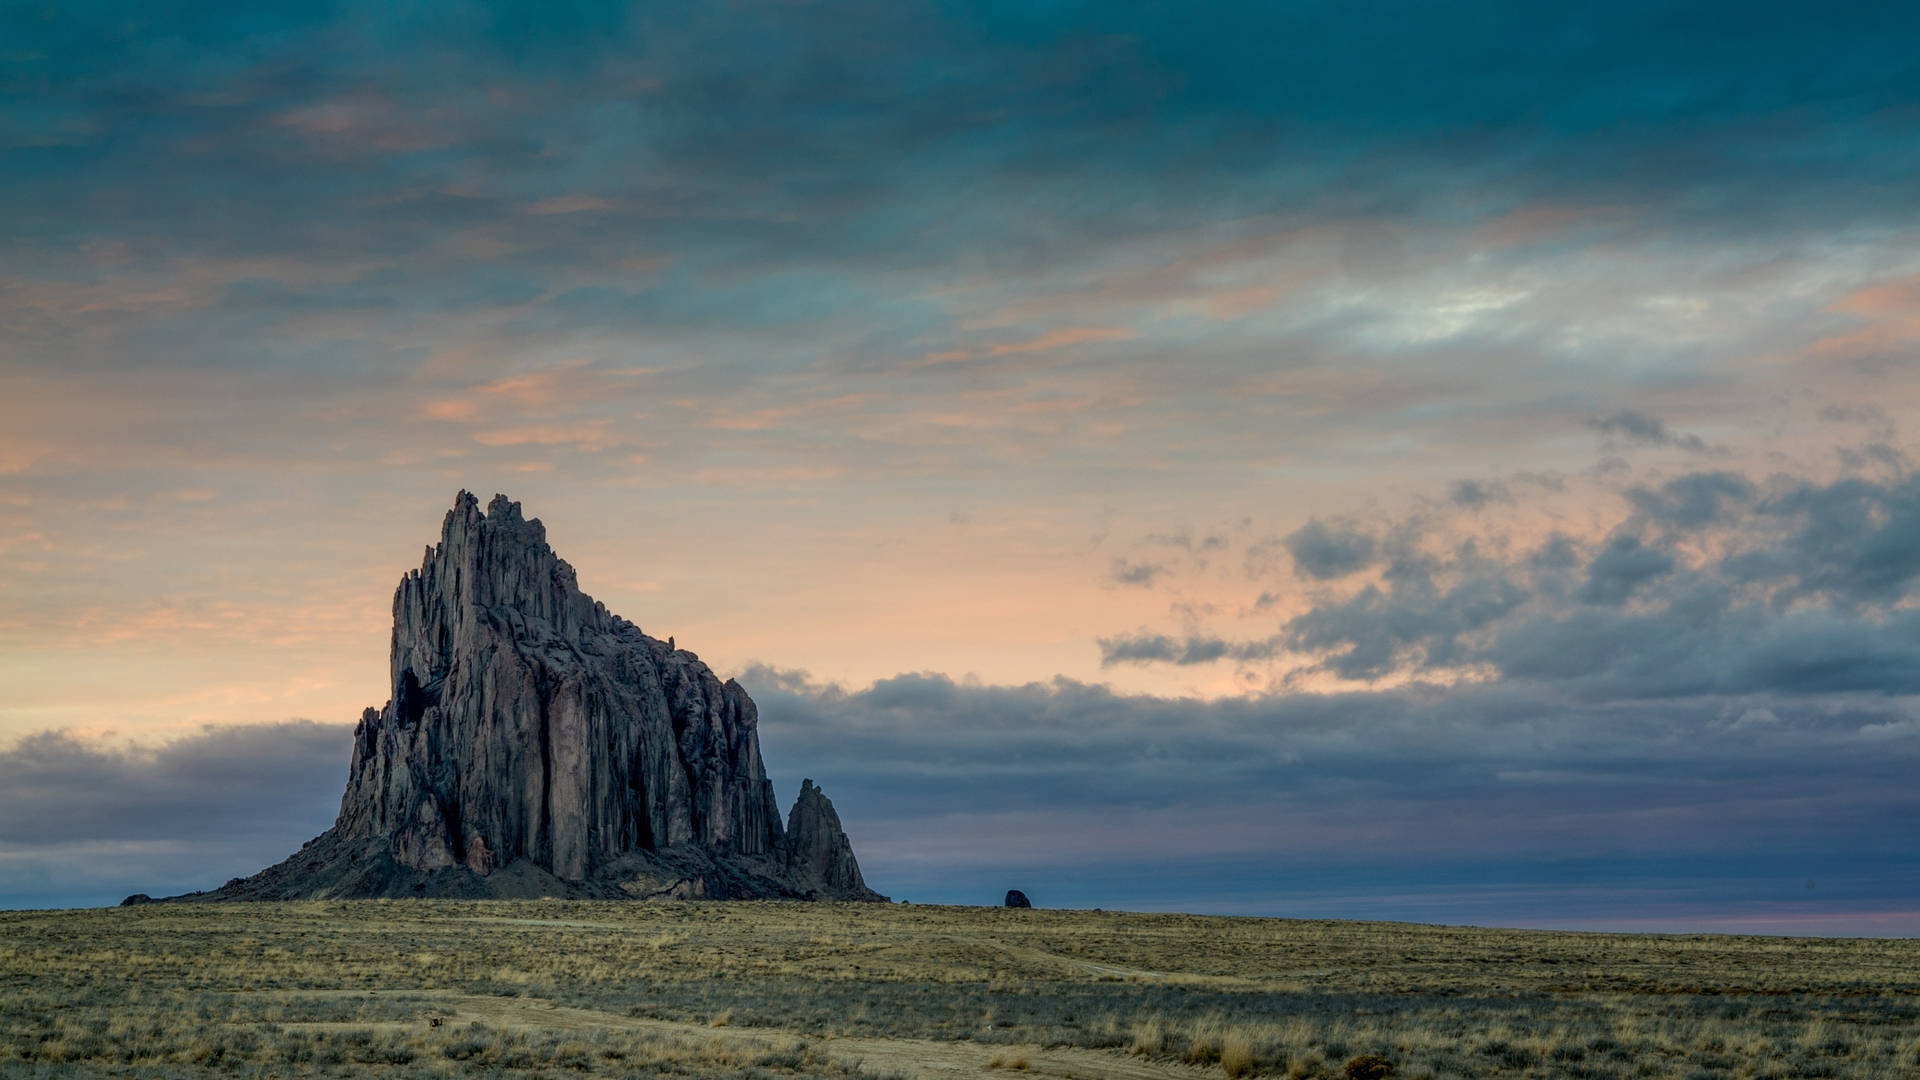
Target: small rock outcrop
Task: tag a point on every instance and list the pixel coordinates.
(1016, 898)
(536, 744)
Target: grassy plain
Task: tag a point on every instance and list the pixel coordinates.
(560, 989)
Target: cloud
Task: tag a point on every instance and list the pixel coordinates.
(1851, 541)
(1143, 574)
(1172, 227)
(1621, 567)
(170, 817)
(772, 221)
(1414, 623)
(1708, 583)
(944, 781)
(1646, 429)
(1324, 552)
(1187, 542)
(1693, 500)
(1060, 339)
(1150, 648)
(1475, 494)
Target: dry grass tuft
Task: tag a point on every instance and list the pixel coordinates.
(1149, 1037)
(1237, 1055)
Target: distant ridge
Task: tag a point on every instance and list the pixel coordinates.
(537, 745)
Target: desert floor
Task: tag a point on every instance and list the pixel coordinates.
(558, 989)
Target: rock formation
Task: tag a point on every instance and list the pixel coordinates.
(537, 745)
(818, 855)
(1016, 898)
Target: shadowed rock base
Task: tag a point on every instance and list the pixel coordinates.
(332, 868)
(536, 744)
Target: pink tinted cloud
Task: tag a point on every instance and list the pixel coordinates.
(548, 393)
(1890, 310)
(780, 416)
(1061, 339)
(1541, 221)
(590, 436)
(1239, 303)
(1047, 342)
(1264, 263)
(1897, 297)
(454, 410)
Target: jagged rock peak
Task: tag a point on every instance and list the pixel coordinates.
(818, 850)
(534, 741)
(505, 509)
(497, 562)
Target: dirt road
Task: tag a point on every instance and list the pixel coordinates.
(880, 1056)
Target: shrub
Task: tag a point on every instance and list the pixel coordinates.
(464, 1050)
(1203, 1044)
(1513, 1057)
(1236, 1054)
(1369, 1067)
(1148, 1037)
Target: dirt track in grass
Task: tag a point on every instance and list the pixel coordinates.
(884, 1056)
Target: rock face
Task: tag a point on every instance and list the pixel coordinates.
(817, 852)
(1016, 898)
(537, 745)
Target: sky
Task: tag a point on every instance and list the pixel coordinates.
(1447, 462)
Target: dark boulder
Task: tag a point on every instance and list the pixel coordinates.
(1016, 898)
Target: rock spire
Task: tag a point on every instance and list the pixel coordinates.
(535, 744)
